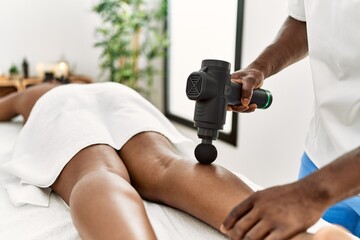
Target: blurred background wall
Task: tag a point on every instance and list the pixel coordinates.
(44, 31)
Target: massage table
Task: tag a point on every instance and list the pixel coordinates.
(31, 222)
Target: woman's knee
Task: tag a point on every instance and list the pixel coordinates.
(102, 195)
(98, 184)
(332, 233)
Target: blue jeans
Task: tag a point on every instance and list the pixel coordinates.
(345, 213)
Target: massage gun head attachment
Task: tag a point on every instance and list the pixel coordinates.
(205, 153)
(209, 87)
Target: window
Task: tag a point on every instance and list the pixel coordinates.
(199, 30)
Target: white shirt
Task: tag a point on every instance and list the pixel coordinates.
(334, 50)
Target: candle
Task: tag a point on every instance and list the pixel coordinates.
(40, 70)
(62, 70)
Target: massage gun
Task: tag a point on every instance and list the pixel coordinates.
(212, 89)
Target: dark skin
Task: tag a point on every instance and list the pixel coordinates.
(289, 46)
(15, 103)
(283, 211)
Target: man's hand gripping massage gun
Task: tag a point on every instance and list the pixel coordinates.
(212, 89)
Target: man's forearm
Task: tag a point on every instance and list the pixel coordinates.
(336, 181)
(289, 46)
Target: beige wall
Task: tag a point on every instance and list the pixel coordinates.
(46, 30)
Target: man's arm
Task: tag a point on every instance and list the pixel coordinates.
(336, 181)
(281, 212)
(8, 106)
(289, 46)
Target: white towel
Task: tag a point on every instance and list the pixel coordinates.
(69, 118)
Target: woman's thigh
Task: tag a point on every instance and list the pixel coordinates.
(147, 157)
(97, 157)
(159, 173)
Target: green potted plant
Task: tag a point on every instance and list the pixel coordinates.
(131, 38)
(13, 71)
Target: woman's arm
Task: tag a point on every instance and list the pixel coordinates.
(8, 106)
(22, 103)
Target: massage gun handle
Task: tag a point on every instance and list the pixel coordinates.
(261, 97)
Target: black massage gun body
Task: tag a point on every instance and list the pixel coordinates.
(212, 89)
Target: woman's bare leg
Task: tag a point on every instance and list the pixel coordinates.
(159, 174)
(326, 233)
(103, 204)
(332, 233)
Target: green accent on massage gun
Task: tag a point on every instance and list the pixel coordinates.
(268, 94)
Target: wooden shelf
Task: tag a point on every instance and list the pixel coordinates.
(9, 85)
(19, 83)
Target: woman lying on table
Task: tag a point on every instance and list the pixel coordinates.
(102, 148)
